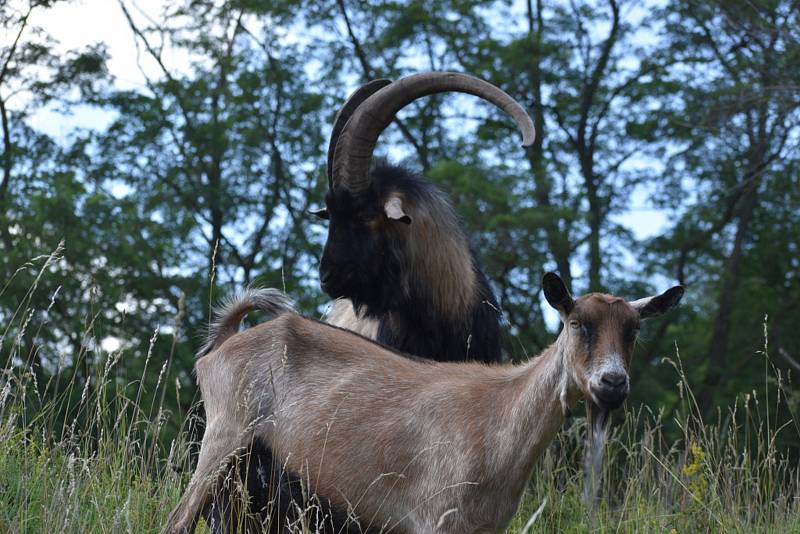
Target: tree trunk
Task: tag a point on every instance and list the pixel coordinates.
(5, 181)
(557, 242)
(595, 221)
(718, 349)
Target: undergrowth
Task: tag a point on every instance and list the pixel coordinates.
(98, 458)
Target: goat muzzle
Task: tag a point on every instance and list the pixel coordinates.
(611, 391)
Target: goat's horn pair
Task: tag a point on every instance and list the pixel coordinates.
(371, 108)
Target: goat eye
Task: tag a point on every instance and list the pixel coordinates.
(575, 324)
(322, 213)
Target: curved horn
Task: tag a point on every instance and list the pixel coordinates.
(355, 100)
(354, 147)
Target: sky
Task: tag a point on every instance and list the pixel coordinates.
(79, 23)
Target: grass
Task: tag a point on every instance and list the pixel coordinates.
(98, 459)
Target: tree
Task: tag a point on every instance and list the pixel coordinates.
(73, 253)
(733, 129)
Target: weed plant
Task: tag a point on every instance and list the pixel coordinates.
(96, 455)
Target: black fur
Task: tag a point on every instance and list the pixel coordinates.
(365, 266)
(272, 506)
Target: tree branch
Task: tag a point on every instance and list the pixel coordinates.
(590, 90)
(157, 57)
(13, 48)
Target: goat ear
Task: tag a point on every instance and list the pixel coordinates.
(653, 306)
(557, 294)
(322, 213)
(394, 210)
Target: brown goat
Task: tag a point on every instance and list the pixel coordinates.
(404, 444)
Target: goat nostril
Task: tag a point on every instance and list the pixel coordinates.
(614, 380)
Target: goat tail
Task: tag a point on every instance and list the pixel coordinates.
(229, 314)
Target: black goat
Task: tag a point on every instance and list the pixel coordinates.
(396, 250)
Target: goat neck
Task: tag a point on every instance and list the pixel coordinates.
(542, 394)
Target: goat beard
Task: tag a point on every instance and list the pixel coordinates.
(598, 421)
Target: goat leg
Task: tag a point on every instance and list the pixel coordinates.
(220, 445)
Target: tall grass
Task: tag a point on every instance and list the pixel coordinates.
(93, 456)
(725, 475)
(81, 454)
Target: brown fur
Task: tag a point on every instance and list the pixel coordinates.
(609, 317)
(439, 251)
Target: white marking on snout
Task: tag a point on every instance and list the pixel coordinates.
(612, 364)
